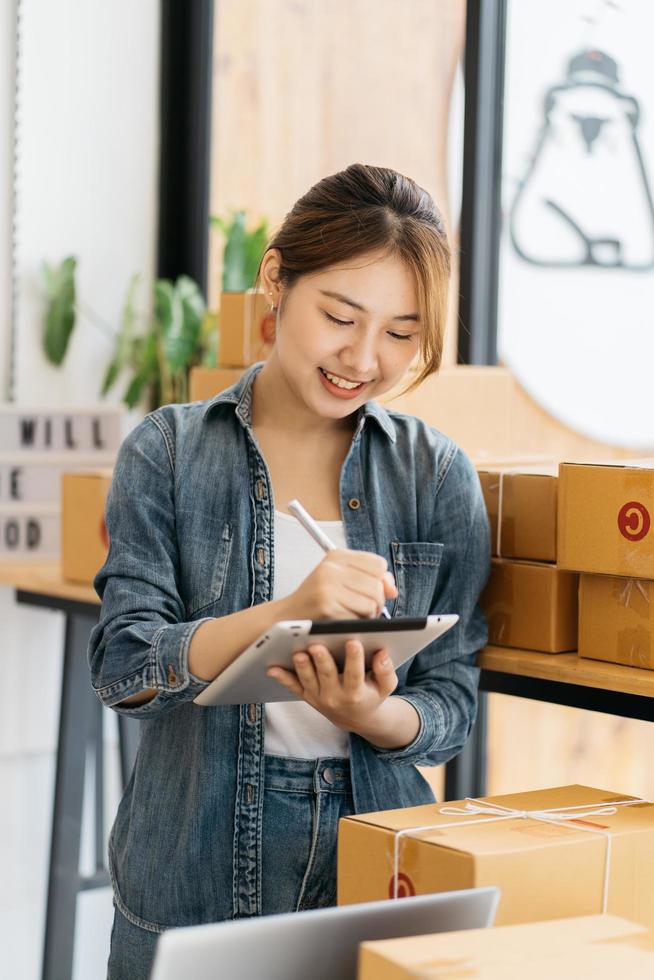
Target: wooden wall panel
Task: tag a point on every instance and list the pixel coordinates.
(303, 88)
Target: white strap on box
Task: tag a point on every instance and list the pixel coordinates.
(500, 501)
(495, 812)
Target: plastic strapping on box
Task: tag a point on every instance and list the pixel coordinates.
(496, 812)
(626, 595)
(500, 500)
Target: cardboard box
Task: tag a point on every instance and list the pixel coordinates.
(545, 870)
(472, 405)
(205, 383)
(522, 509)
(604, 947)
(84, 535)
(532, 606)
(616, 620)
(605, 518)
(246, 328)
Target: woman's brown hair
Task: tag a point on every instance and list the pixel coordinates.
(364, 209)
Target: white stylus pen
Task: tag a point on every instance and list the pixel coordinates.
(325, 543)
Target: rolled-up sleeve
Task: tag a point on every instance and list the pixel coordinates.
(442, 680)
(141, 641)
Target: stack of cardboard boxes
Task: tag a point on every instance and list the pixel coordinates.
(530, 600)
(246, 335)
(554, 853)
(39, 446)
(606, 533)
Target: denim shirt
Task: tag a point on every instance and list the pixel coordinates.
(190, 516)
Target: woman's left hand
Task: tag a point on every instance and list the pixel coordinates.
(350, 699)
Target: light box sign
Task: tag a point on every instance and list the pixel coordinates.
(576, 279)
(30, 532)
(25, 429)
(36, 477)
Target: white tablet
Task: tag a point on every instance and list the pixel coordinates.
(245, 680)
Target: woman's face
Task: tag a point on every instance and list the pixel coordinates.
(356, 322)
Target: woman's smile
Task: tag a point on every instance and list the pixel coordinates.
(344, 389)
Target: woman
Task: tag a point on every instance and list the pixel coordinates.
(232, 811)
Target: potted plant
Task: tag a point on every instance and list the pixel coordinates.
(247, 325)
(155, 350)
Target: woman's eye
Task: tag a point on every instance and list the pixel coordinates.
(348, 323)
(341, 323)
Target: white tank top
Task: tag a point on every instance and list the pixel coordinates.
(294, 728)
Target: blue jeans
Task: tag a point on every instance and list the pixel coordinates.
(303, 802)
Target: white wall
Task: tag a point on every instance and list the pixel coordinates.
(7, 76)
(86, 184)
(87, 173)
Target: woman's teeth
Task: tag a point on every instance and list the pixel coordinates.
(340, 383)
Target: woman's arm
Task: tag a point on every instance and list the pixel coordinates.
(442, 681)
(217, 642)
(143, 654)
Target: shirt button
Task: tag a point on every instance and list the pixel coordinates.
(328, 776)
(261, 490)
(261, 556)
(252, 712)
(172, 676)
(354, 503)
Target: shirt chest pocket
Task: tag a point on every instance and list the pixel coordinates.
(415, 567)
(206, 574)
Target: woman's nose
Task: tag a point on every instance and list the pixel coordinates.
(360, 357)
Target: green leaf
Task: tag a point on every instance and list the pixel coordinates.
(124, 339)
(60, 313)
(254, 248)
(209, 340)
(234, 256)
(135, 390)
(111, 376)
(147, 369)
(180, 310)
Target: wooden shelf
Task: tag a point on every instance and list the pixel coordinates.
(44, 578)
(568, 668)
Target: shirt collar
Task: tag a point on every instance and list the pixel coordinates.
(240, 395)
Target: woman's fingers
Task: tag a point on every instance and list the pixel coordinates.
(306, 673)
(287, 679)
(325, 667)
(354, 671)
(384, 672)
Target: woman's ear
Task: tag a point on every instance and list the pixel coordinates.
(270, 276)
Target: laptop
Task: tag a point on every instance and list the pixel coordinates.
(322, 944)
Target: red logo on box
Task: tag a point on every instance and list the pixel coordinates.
(634, 521)
(405, 887)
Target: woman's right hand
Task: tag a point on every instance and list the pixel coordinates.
(345, 585)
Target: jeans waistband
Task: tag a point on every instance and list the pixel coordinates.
(324, 775)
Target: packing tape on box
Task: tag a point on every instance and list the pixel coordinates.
(634, 647)
(626, 595)
(493, 812)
